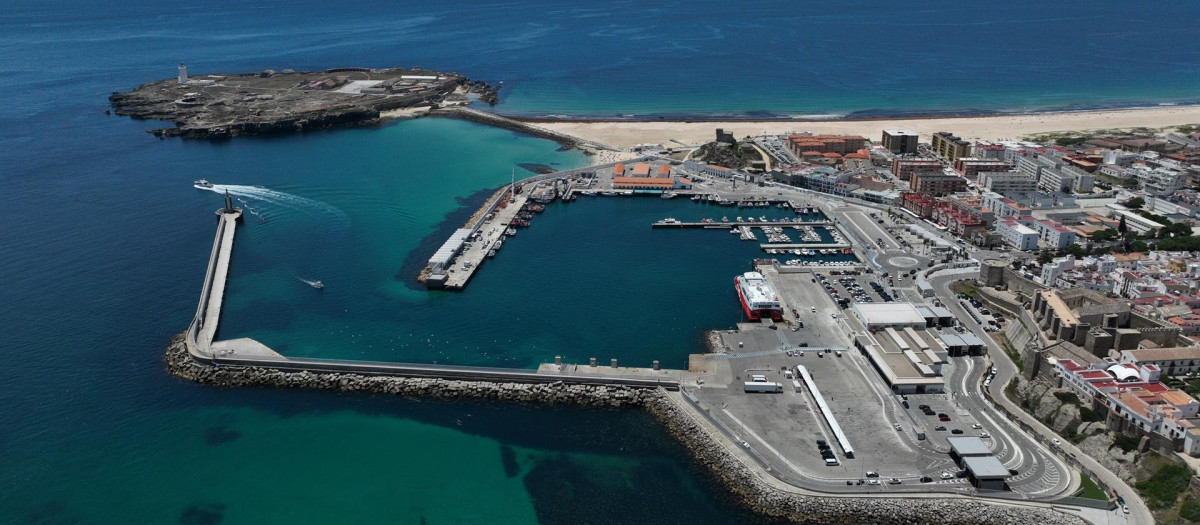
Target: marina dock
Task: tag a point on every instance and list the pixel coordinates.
(734, 224)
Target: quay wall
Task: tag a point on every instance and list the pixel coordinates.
(750, 489)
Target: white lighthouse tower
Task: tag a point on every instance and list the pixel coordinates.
(182, 73)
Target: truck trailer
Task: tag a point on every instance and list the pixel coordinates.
(761, 387)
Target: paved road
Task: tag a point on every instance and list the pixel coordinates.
(1007, 370)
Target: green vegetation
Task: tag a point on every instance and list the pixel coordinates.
(1109, 234)
(1154, 217)
(1190, 510)
(1191, 385)
(1164, 486)
(1089, 415)
(1135, 203)
(965, 288)
(1011, 352)
(1188, 128)
(1089, 489)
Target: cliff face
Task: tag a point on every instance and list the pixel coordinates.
(1068, 416)
(352, 116)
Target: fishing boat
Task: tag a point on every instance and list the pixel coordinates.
(318, 284)
(491, 253)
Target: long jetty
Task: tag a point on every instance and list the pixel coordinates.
(493, 119)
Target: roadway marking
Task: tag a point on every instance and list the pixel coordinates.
(747, 430)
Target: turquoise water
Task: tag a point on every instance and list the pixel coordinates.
(105, 241)
(587, 279)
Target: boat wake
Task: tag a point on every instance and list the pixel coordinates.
(315, 284)
(275, 198)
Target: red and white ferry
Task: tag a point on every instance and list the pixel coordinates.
(757, 297)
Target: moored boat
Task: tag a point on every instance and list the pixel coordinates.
(757, 298)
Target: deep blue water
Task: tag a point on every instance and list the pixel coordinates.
(104, 241)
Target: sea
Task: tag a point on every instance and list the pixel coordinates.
(103, 239)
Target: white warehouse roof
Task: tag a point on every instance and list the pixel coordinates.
(878, 315)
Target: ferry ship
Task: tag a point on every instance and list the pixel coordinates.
(757, 297)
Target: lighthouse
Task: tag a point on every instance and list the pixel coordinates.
(182, 73)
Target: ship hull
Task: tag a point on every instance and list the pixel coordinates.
(755, 314)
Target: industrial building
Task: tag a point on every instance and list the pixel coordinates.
(877, 316)
(984, 470)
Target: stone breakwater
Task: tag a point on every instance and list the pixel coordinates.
(738, 478)
(181, 364)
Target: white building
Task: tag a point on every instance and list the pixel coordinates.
(1017, 235)
(1004, 182)
(1055, 268)
(1160, 181)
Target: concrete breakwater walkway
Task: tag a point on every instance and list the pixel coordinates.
(493, 119)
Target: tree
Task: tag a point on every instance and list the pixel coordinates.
(1121, 227)
(1105, 235)
(1135, 203)
(1076, 250)
(1044, 257)
(1177, 229)
(1137, 246)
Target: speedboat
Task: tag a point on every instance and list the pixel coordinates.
(201, 184)
(318, 284)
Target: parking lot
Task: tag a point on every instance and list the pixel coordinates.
(991, 321)
(854, 286)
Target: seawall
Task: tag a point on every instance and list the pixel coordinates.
(493, 119)
(751, 490)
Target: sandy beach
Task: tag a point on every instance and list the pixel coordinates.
(625, 134)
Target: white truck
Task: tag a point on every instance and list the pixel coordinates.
(763, 387)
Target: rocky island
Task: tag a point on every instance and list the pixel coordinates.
(220, 106)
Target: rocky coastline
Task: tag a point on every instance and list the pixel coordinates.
(748, 489)
(218, 106)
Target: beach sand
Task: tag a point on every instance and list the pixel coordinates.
(625, 134)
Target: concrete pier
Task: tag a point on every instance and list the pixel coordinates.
(223, 248)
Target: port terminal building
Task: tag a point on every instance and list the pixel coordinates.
(984, 470)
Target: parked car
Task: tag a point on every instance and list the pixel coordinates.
(956, 431)
(894, 481)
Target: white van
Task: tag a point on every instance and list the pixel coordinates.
(758, 378)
